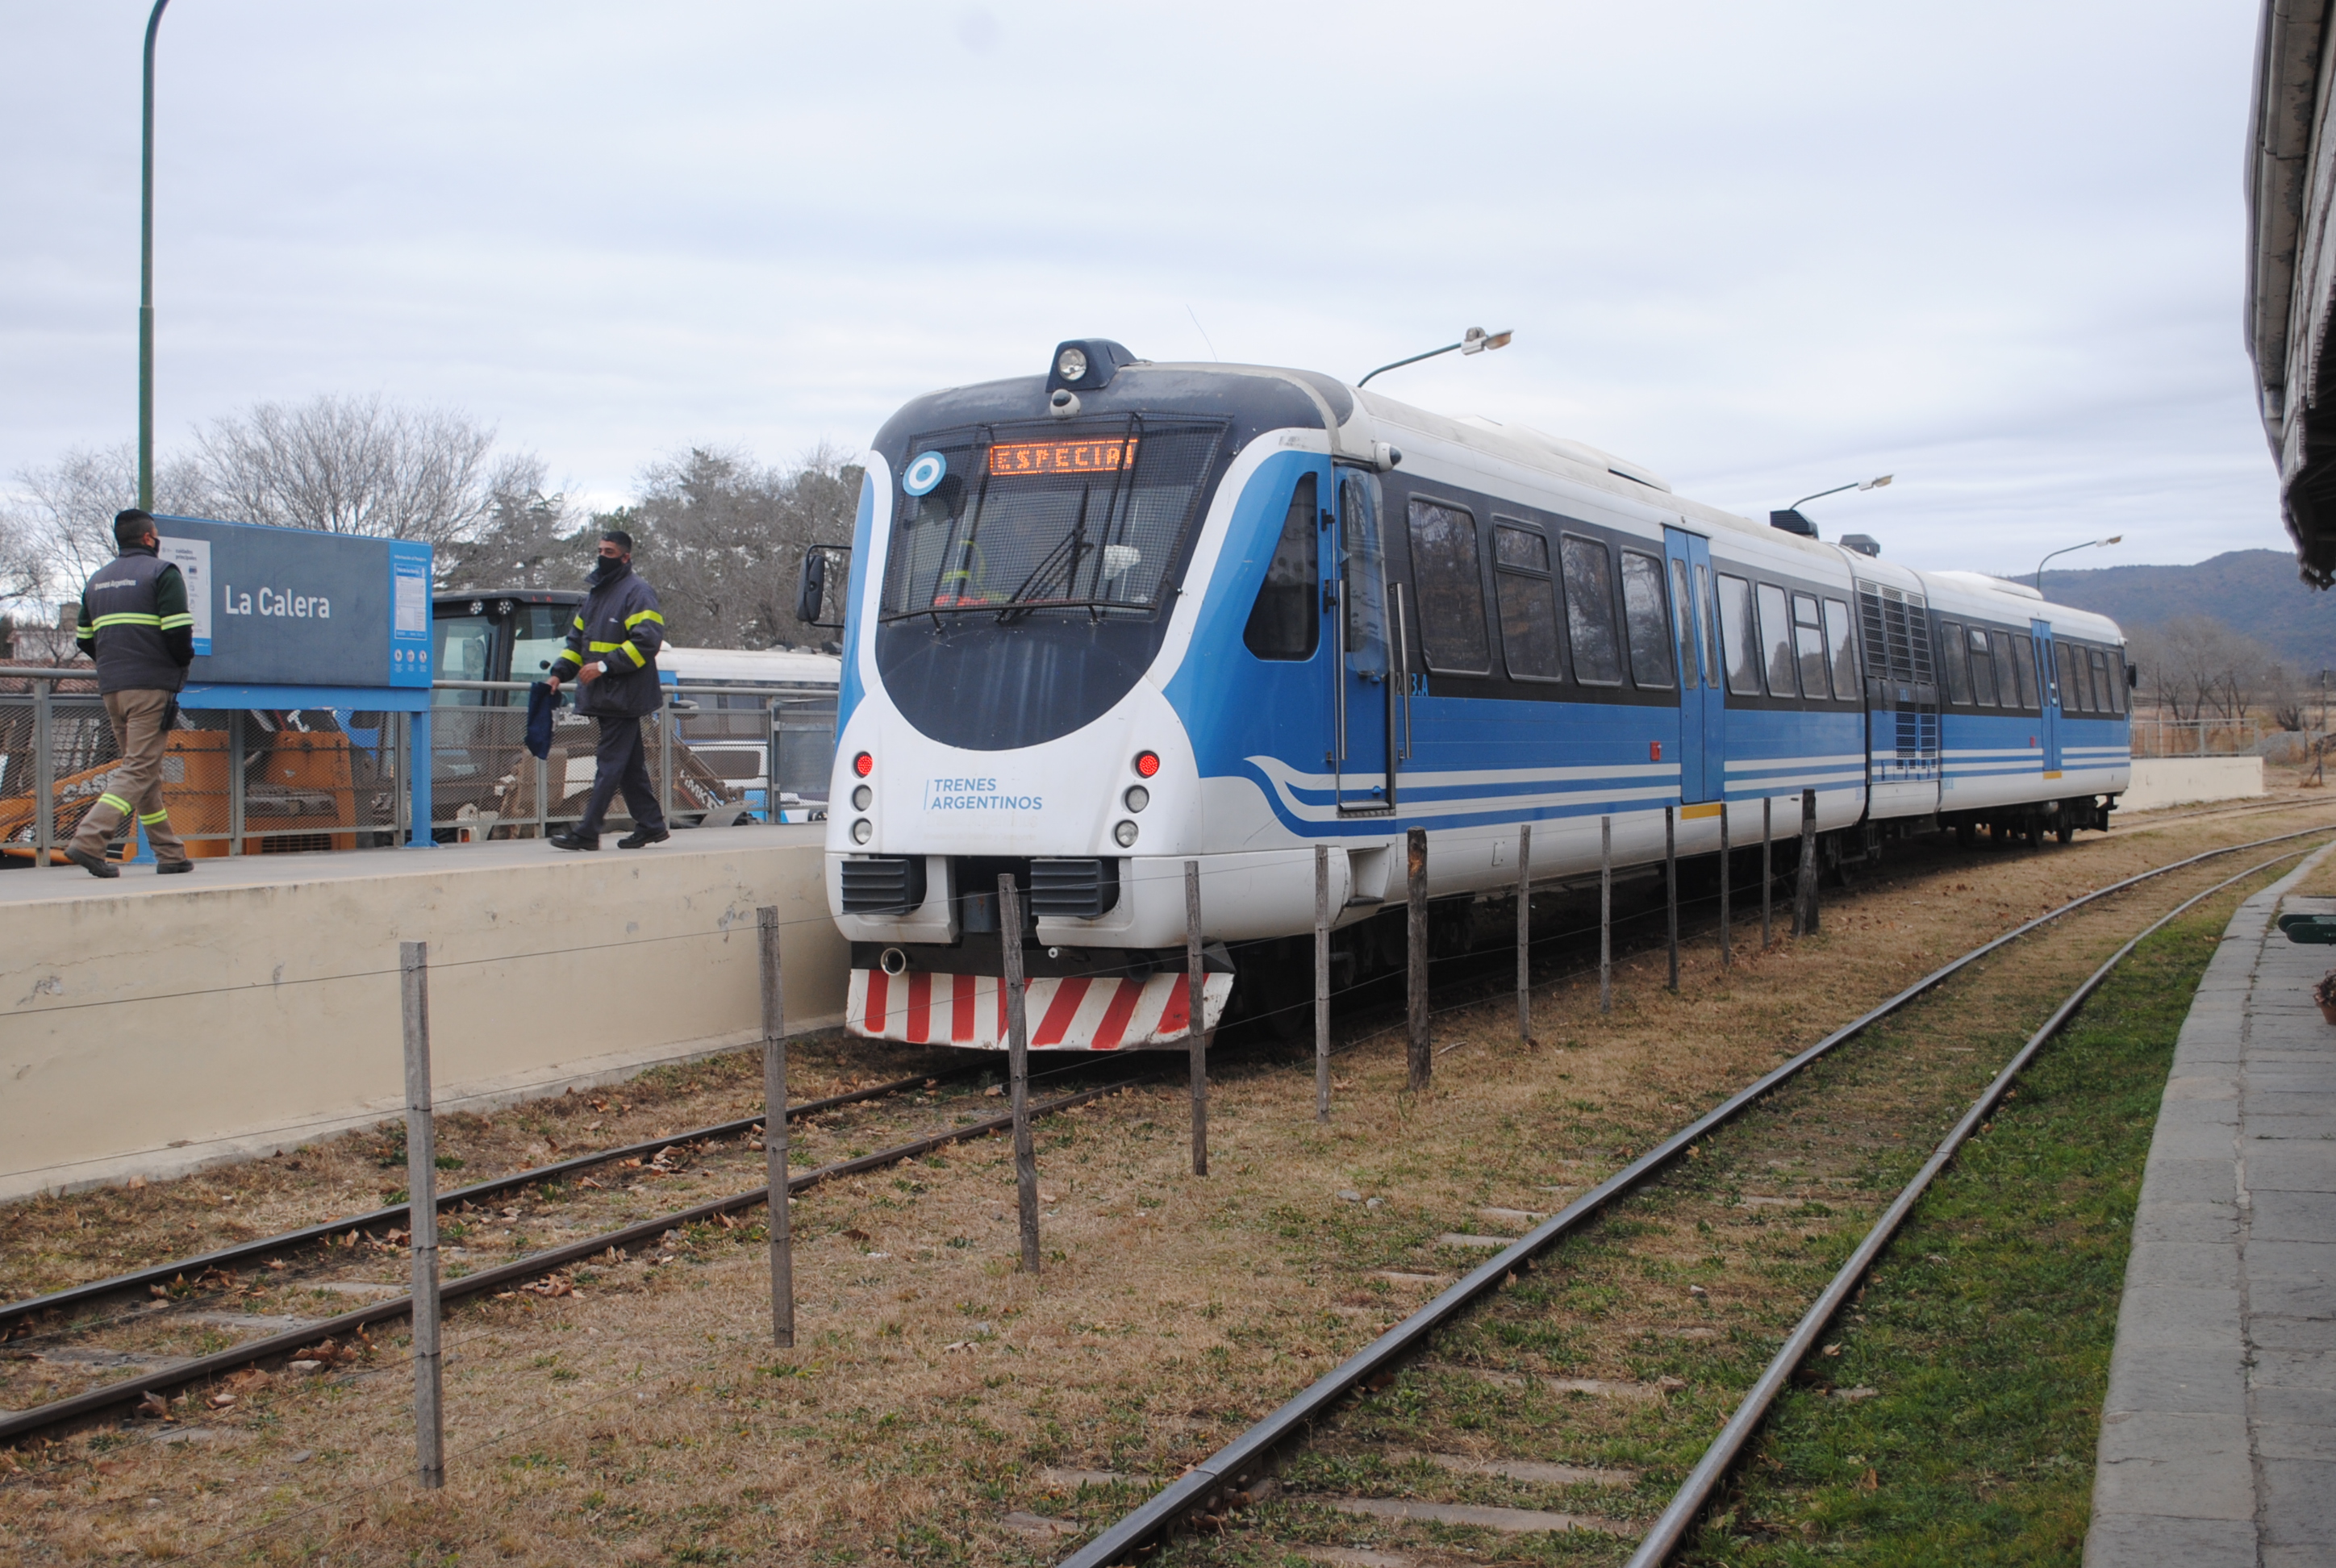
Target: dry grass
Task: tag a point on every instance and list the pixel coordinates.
(649, 1418)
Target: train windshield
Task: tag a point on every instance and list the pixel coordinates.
(1012, 523)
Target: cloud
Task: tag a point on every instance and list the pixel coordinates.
(1996, 250)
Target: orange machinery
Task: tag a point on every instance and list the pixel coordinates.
(299, 793)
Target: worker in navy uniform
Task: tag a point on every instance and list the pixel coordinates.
(611, 651)
(134, 622)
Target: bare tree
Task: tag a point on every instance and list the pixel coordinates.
(355, 465)
(529, 538)
(722, 538)
(2198, 668)
(65, 519)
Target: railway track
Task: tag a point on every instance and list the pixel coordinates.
(1375, 1440)
(127, 1335)
(173, 1325)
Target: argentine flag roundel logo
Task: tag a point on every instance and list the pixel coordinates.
(924, 473)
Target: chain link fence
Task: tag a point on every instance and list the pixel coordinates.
(272, 782)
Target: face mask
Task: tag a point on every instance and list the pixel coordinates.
(604, 568)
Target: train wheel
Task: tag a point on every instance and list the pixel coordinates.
(1966, 835)
(2035, 833)
(2066, 830)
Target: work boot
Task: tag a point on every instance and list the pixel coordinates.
(640, 836)
(95, 865)
(573, 840)
(173, 868)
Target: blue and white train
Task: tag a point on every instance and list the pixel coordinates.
(1126, 614)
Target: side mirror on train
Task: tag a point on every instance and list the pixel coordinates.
(815, 604)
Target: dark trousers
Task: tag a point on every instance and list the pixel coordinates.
(622, 764)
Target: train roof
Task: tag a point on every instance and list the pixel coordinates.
(762, 666)
(1261, 397)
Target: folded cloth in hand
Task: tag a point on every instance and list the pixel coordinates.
(541, 700)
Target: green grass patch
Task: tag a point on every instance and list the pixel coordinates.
(1986, 1329)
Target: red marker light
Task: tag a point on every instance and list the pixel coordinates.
(863, 765)
(1654, 751)
(1147, 763)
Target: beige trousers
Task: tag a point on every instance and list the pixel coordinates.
(136, 784)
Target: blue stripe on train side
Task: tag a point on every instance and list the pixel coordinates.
(863, 535)
(1474, 761)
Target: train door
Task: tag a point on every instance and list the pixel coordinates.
(1362, 696)
(1703, 717)
(2048, 691)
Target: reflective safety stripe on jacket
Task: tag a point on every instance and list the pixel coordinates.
(619, 628)
(130, 606)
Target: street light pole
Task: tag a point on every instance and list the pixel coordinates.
(2088, 544)
(146, 278)
(1477, 340)
(1836, 489)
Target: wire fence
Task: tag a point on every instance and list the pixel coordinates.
(489, 1344)
(239, 781)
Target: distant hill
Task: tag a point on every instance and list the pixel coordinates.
(2253, 591)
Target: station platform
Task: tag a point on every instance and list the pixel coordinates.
(2218, 1434)
(152, 1025)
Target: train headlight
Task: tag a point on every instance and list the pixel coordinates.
(1125, 834)
(1137, 797)
(861, 797)
(862, 831)
(1071, 364)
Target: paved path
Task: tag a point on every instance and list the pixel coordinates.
(2218, 1437)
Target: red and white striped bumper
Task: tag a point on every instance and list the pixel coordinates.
(1075, 1014)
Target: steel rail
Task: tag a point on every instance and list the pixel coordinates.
(98, 1401)
(15, 1313)
(1228, 1466)
(1671, 1528)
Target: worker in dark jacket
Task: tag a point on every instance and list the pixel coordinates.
(611, 651)
(134, 622)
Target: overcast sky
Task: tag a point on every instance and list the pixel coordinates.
(1995, 249)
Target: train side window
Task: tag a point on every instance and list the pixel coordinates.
(2018, 653)
(1808, 641)
(1643, 618)
(2072, 681)
(1451, 587)
(1706, 615)
(1528, 601)
(1986, 687)
(2103, 702)
(1776, 636)
(2111, 674)
(1590, 611)
(1683, 621)
(1743, 637)
(1844, 650)
(1286, 621)
(1958, 661)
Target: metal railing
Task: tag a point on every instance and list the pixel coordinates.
(265, 782)
(237, 782)
(2158, 735)
(715, 751)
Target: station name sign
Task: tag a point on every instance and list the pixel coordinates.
(299, 607)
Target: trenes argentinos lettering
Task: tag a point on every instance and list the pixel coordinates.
(976, 795)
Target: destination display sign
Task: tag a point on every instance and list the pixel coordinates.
(1029, 459)
(299, 607)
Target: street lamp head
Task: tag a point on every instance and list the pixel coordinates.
(1477, 340)
(2113, 539)
(1876, 484)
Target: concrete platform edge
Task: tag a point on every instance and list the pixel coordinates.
(2178, 1477)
